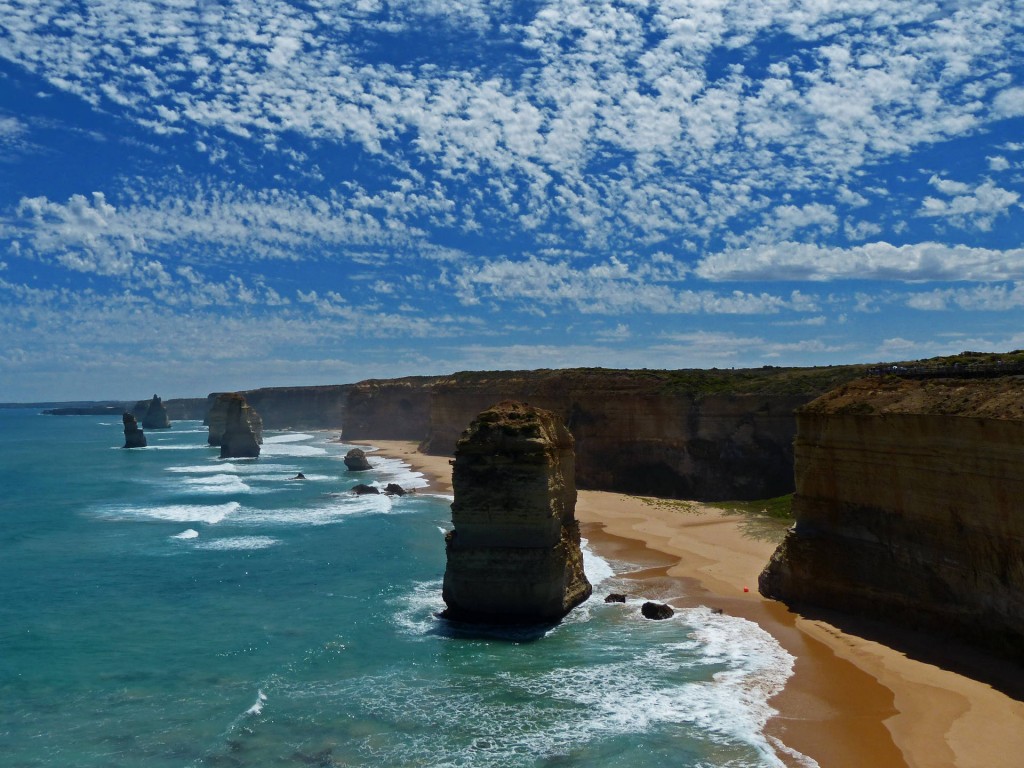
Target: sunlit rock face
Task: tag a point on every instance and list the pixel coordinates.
(235, 427)
(514, 554)
(909, 507)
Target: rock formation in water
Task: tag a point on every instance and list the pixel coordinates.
(155, 416)
(909, 507)
(235, 427)
(133, 436)
(656, 611)
(355, 460)
(514, 553)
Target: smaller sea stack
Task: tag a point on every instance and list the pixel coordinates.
(235, 427)
(133, 436)
(156, 415)
(514, 555)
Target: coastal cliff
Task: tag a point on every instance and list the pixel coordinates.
(706, 435)
(315, 407)
(394, 409)
(514, 554)
(909, 507)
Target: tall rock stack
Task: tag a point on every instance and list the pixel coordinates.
(235, 426)
(156, 415)
(133, 436)
(514, 554)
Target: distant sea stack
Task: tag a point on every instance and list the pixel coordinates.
(133, 436)
(909, 508)
(155, 414)
(514, 554)
(235, 427)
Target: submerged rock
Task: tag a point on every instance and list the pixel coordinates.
(356, 461)
(615, 597)
(133, 436)
(514, 554)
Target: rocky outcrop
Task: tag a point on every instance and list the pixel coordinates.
(908, 507)
(154, 414)
(393, 409)
(235, 426)
(656, 611)
(355, 460)
(514, 554)
(133, 436)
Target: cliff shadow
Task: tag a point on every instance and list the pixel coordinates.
(940, 650)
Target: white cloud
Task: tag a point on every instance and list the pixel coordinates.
(1009, 103)
(978, 207)
(990, 298)
(872, 261)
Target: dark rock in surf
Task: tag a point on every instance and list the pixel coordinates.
(615, 597)
(356, 461)
(133, 436)
(394, 489)
(362, 489)
(656, 611)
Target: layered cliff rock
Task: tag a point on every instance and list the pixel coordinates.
(393, 409)
(318, 407)
(235, 426)
(909, 506)
(514, 554)
(707, 435)
(133, 436)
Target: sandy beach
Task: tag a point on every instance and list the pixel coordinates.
(852, 700)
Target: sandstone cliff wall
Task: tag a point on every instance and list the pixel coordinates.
(393, 409)
(634, 434)
(320, 407)
(909, 505)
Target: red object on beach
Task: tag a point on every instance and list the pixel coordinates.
(746, 589)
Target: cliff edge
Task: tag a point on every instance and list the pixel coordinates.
(514, 555)
(909, 506)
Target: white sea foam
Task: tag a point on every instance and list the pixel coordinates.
(333, 510)
(291, 449)
(257, 708)
(239, 542)
(180, 513)
(288, 437)
(598, 569)
(218, 483)
(392, 470)
(188, 533)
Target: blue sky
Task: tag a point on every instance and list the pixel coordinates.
(200, 196)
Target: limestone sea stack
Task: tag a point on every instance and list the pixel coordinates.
(133, 436)
(156, 415)
(235, 427)
(355, 460)
(514, 554)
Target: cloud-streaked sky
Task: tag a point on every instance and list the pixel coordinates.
(200, 196)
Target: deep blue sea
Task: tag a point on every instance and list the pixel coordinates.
(163, 607)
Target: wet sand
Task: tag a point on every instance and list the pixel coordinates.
(852, 701)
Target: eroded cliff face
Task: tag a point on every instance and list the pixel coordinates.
(636, 434)
(909, 505)
(320, 407)
(393, 409)
(514, 554)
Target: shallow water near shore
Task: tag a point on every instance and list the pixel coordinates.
(162, 607)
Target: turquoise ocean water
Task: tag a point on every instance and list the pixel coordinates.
(161, 607)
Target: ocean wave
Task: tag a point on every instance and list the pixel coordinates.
(218, 483)
(239, 542)
(188, 533)
(290, 449)
(179, 513)
(288, 437)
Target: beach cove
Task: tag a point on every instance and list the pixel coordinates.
(852, 700)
